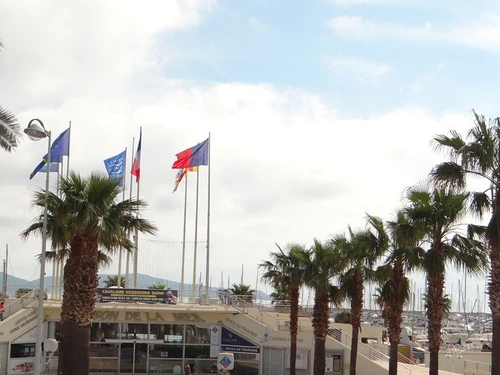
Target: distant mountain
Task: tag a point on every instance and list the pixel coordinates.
(143, 281)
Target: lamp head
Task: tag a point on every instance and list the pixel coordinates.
(35, 130)
(50, 345)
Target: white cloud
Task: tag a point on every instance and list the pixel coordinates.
(285, 165)
(349, 3)
(355, 27)
(360, 70)
(483, 35)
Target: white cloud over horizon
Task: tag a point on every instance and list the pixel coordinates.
(360, 70)
(288, 164)
(483, 36)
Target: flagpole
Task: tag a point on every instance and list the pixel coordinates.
(207, 286)
(55, 267)
(128, 252)
(61, 261)
(119, 277)
(193, 293)
(184, 237)
(69, 145)
(136, 255)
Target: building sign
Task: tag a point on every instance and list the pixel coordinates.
(146, 316)
(233, 343)
(137, 295)
(21, 365)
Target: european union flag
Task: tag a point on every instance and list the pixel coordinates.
(59, 148)
(115, 166)
(54, 167)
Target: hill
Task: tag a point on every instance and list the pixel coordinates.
(143, 281)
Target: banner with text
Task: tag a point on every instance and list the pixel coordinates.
(137, 295)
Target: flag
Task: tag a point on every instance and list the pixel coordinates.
(136, 166)
(192, 157)
(54, 167)
(59, 148)
(180, 176)
(115, 166)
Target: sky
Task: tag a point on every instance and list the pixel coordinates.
(319, 112)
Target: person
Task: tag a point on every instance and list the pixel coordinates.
(2, 310)
(171, 298)
(187, 368)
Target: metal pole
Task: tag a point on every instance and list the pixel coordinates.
(41, 288)
(127, 262)
(207, 271)
(193, 291)
(184, 238)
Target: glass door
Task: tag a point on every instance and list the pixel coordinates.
(133, 358)
(141, 358)
(127, 358)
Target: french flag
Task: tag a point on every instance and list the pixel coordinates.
(136, 166)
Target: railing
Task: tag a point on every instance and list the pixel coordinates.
(476, 368)
(20, 303)
(366, 351)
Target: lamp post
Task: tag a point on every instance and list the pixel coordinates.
(36, 131)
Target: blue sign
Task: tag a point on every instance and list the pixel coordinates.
(239, 349)
(231, 338)
(231, 342)
(225, 361)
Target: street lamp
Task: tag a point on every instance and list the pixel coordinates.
(36, 131)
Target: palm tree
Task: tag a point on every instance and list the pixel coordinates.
(86, 216)
(10, 131)
(157, 286)
(285, 272)
(243, 293)
(281, 295)
(22, 291)
(395, 286)
(322, 265)
(439, 213)
(113, 281)
(478, 155)
(343, 317)
(382, 275)
(360, 251)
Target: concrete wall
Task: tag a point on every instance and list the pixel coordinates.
(455, 364)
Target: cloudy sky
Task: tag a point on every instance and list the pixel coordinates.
(319, 111)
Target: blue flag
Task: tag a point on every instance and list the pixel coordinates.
(54, 167)
(59, 148)
(115, 166)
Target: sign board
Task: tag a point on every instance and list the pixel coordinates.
(233, 343)
(225, 362)
(21, 365)
(137, 295)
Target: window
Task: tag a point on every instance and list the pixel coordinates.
(22, 350)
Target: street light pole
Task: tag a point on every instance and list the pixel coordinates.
(35, 132)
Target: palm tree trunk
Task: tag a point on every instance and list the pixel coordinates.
(494, 285)
(395, 314)
(393, 358)
(356, 309)
(80, 283)
(435, 314)
(320, 325)
(294, 325)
